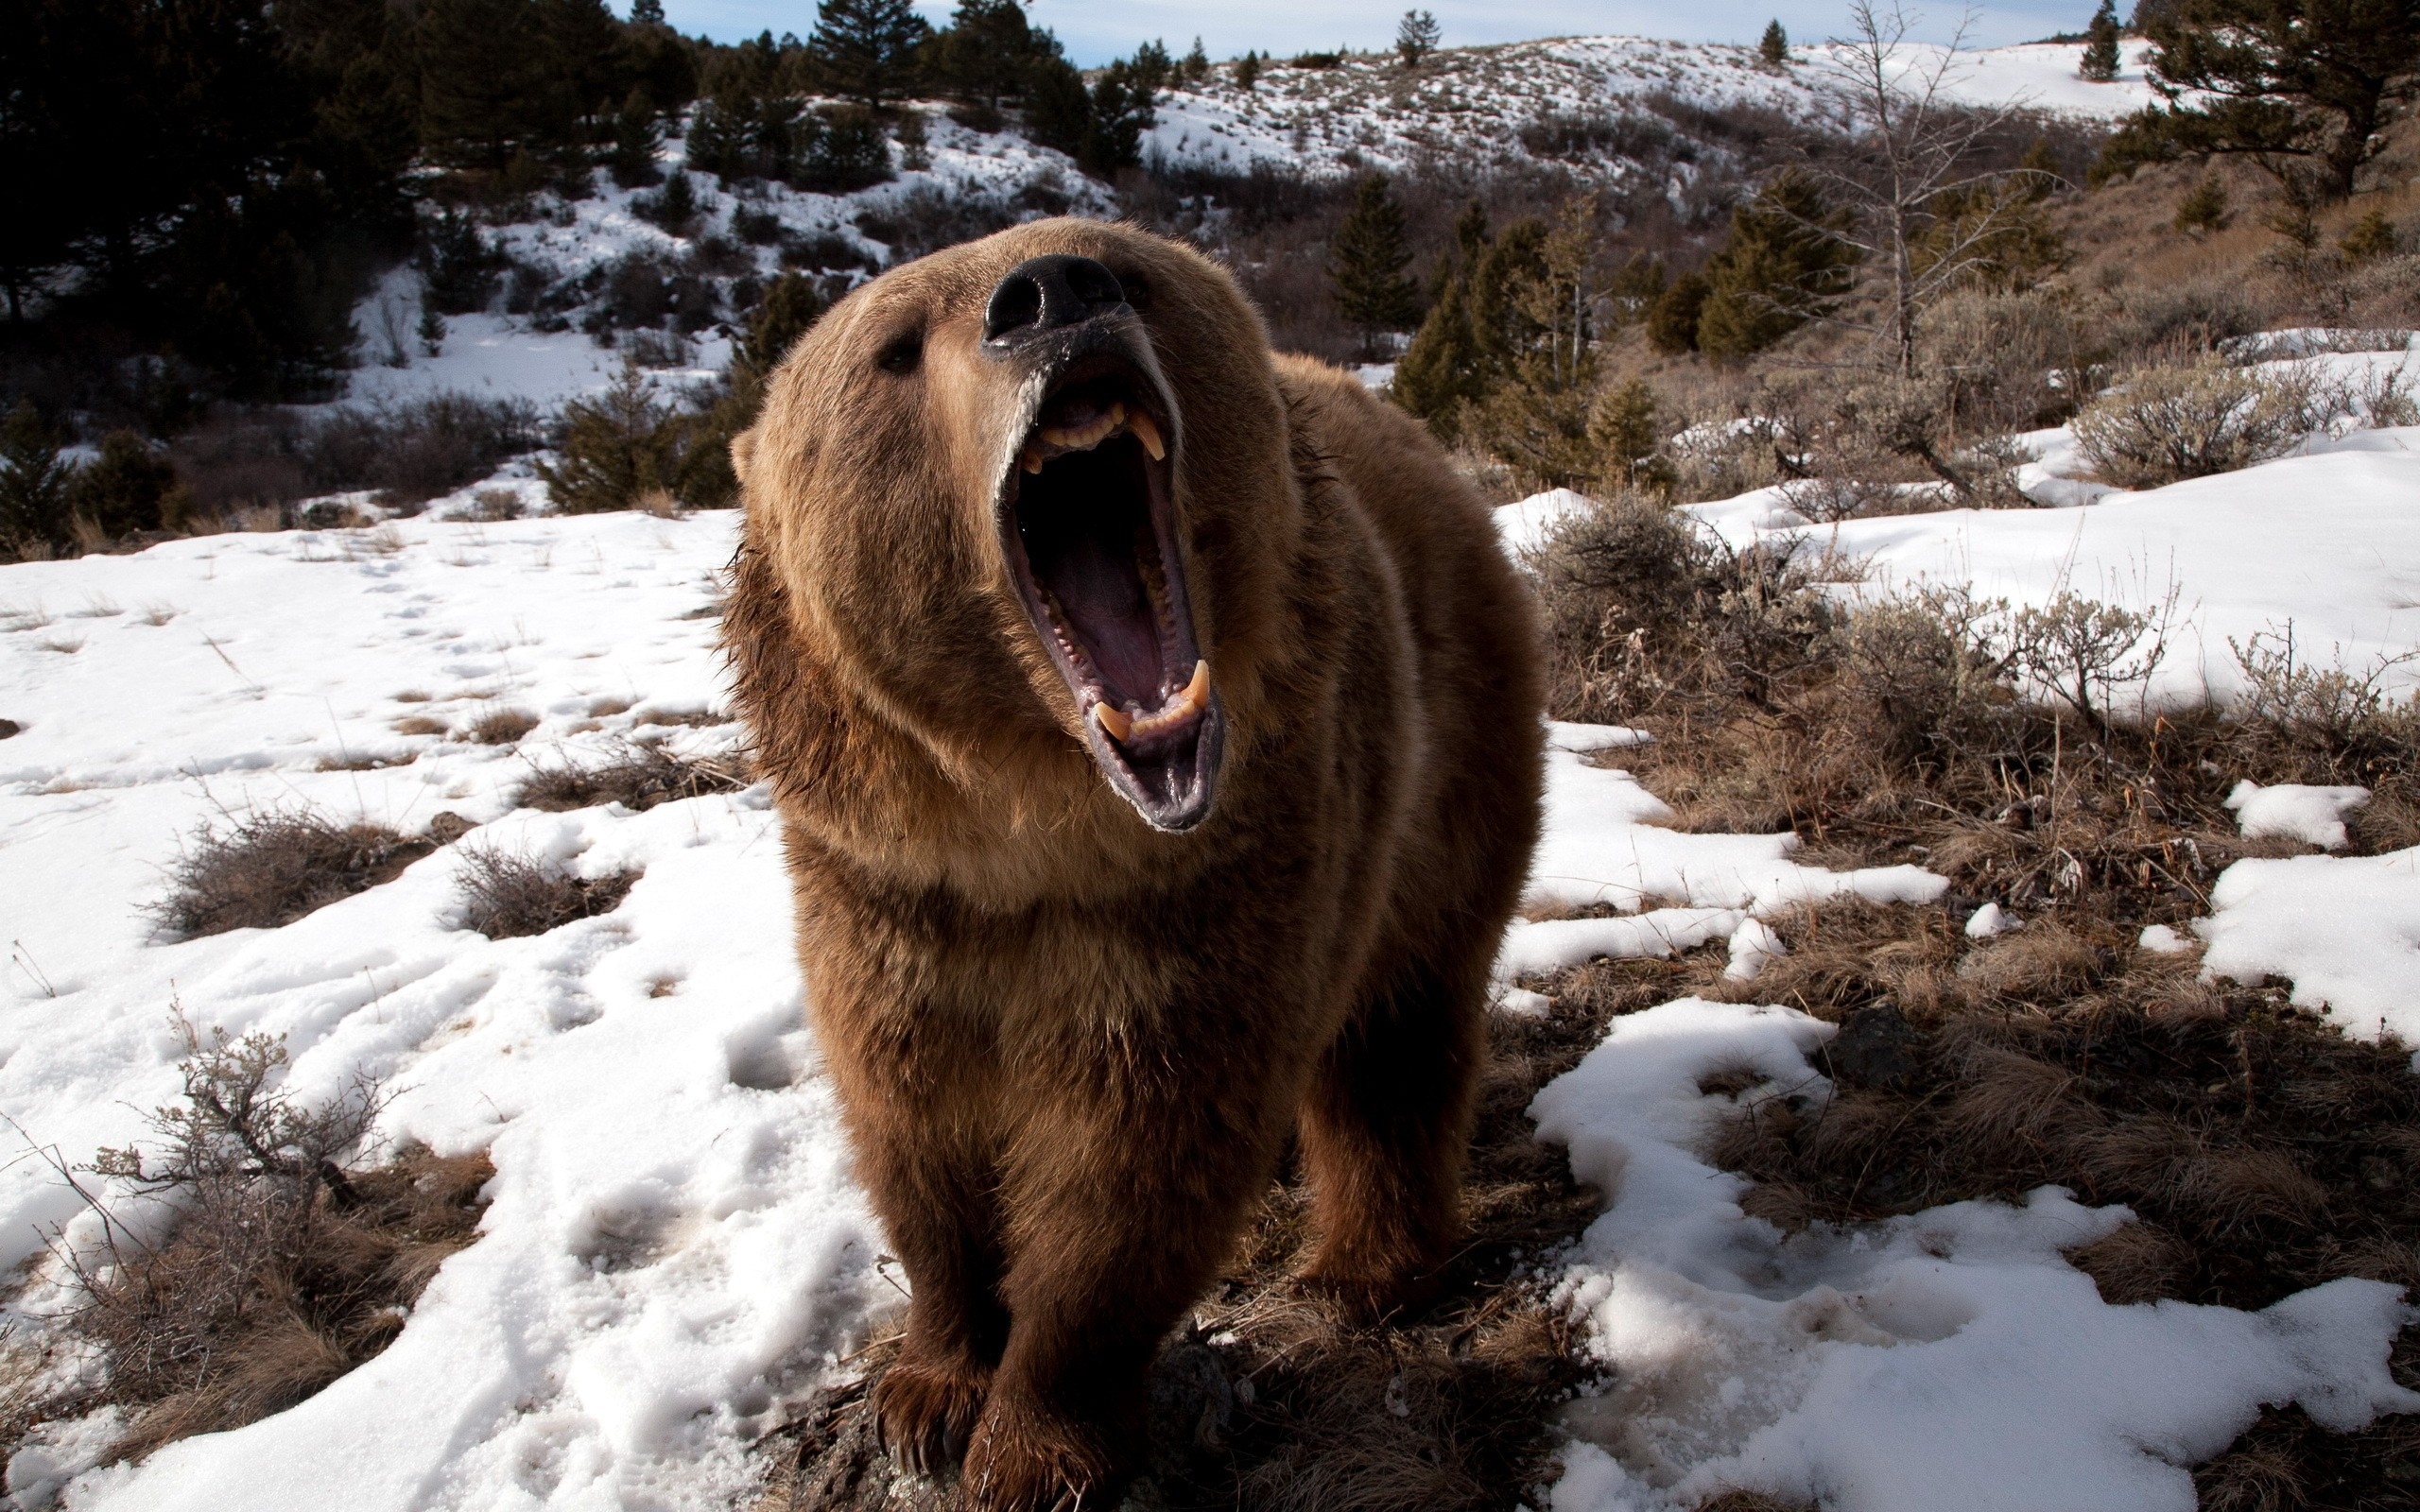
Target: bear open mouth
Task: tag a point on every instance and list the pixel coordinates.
(1090, 538)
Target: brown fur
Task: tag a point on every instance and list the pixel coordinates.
(1071, 1047)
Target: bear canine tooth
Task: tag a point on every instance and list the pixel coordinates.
(1119, 723)
(1197, 693)
(1033, 458)
(1148, 431)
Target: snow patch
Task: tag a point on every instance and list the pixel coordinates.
(1951, 1358)
(2292, 811)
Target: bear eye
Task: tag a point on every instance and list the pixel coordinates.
(902, 353)
(1139, 291)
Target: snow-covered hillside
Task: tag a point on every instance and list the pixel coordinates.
(1469, 106)
(1612, 110)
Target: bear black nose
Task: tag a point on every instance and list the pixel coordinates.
(1044, 293)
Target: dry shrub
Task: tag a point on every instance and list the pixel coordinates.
(501, 727)
(284, 1268)
(2166, 424)
(639, 775)
(271, 868)
(505, 896)
(419, 724)
(1644, 608)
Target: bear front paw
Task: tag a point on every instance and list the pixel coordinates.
(926, 1414)
(1026, 1458)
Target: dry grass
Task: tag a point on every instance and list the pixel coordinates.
(500, 727)
(638, 776)
(2262, 1151)
(283, 1270)
(505, 896)
(1267, 1399)
(271, 868)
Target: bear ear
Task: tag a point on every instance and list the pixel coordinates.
(743, 453)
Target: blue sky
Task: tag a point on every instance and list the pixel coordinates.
(1095, 31)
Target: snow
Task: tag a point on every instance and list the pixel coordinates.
(1472, 102)
(2326, 542)
(1989, 921)
(1606, 844)
(674, 1246)
(1951, 1358)
(2345, 930)
(2314, 816)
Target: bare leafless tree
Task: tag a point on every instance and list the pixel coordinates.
(1926, 217)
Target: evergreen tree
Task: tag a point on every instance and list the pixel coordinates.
(1248, 72)
(2204, 209)
(2100, 56)
(1444, 370)
(1774, 48)
(1784, 263)
(2304, 88)
(1059, 109)
(1196, 66)
(986, 56)
(2372, 237)
(33, 486)
(1151, 68)
(586, 72)
(647, 13)
(477, 79)
(865, 49)
(1623, 429)
(1672, 319)
(1366, 265)
(121, 491)
(636, 140)
(1417, 36)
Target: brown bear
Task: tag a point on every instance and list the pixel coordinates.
(1155, 724)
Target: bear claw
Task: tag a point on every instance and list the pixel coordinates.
(924, 1414)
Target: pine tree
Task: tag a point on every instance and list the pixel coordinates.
(2099, 62)
(865, 49)
(120, 490)
(984, 57)
(2204, 209)
(1622, 430)
(1248, 72)
(1417, 36)
(2372, 237)
(1444, 370)
(33, 485)
(1783, 265)
(2306, 89)
(1196, 66)
(1366, 265)
(636, 140)
(476, 82)
(647, 13)
(1774, 48)
(1672, 319)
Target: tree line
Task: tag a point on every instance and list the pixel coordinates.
(202, 188)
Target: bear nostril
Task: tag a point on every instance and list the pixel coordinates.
(1046, 293)
(1017, 302)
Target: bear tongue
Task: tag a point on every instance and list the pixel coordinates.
(1103, 598)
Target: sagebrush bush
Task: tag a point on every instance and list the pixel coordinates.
(505, 896)
(271, 868)
(640, 775)
(1643, 605)
(2167, 424)
(285, 1266)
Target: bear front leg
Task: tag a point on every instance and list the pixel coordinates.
(1383, 1133)
(1115, 1226)
(926, 1405)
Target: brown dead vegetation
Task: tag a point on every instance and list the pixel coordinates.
(2262, 1150)
(507, 896)
(271, 868)
(284, 1268)
(638, 775)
